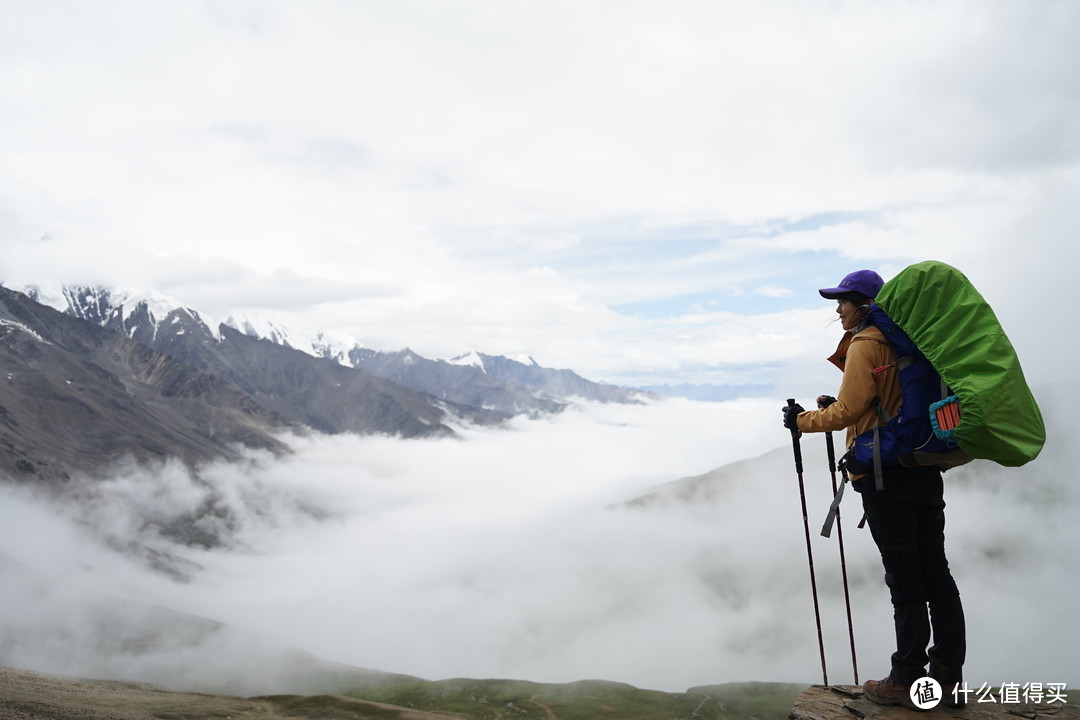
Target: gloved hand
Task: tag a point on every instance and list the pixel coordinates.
(791, 412)
(825, 401)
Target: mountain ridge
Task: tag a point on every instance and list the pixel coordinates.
(92, 375)
(507, 385)
(75, 397)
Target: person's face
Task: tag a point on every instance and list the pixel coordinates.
(850, 313)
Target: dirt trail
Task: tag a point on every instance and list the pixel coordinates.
(550, 713)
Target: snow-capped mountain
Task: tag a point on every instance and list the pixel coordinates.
(490, 381)
(295, 385)
(486, 382)
(147, 318)
(565, 385)
(142, 315)
(476, 359)
(461, 383)
(75, 397)
(469, 359)
(98, 375)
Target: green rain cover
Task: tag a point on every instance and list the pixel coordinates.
(960, 335)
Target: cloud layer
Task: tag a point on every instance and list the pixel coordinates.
(509, 554)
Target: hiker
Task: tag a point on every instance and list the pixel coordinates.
(906, 516)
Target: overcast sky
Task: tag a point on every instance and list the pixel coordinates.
(644, 192)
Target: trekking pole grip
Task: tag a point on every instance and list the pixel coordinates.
(796, 446)
(823, 402)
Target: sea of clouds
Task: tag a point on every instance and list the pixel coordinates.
(510, 552)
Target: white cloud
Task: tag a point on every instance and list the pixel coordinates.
(497, 555)
(390, 165)
(773, 291)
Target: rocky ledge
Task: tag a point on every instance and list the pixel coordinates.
(845, 702)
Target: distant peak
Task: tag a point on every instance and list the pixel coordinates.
(521, 359)
(321, 344)
(487, 363)
(254, 325)
(469, 359)
(99, 303)
(525, 360)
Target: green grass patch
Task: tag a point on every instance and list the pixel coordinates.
(586, 700)
(754, 699)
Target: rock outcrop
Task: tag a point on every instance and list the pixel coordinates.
(844, 702)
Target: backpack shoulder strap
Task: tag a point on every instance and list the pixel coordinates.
(883, 419)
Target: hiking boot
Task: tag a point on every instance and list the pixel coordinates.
(889, 692)
(953, 693)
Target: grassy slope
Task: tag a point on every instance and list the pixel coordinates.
(587, 700)
(24, 694)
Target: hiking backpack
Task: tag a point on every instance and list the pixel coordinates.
(964, 395)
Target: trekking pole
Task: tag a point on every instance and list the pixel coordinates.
(809, 552)
(843, 560)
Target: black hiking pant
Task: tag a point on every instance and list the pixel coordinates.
(907, 521)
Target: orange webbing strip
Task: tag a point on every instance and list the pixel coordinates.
(948, 416)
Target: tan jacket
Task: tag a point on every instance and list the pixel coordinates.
(869, 366)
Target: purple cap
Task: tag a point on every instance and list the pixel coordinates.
(865, 282)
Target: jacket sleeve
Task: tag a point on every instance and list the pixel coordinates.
(855, 398)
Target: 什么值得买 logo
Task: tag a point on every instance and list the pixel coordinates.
(927, 693)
